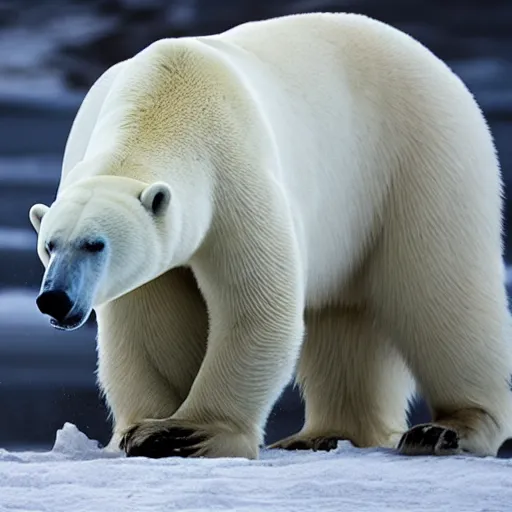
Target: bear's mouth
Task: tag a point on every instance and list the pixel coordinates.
(69, 324)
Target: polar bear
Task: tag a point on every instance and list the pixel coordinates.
(315, 194)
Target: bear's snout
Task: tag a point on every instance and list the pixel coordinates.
(55, 303)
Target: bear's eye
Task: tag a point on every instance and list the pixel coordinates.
(96, 246)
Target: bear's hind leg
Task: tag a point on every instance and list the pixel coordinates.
(461, 365)
(464, 379)
(355, 385)
(438, 287)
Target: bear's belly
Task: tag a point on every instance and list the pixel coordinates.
(333, 239)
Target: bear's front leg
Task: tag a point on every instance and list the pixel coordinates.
(151, 343)
(255, 298)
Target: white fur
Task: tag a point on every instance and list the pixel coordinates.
(320, 166)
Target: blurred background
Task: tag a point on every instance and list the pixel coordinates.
(51, 51)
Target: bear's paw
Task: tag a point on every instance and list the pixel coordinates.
(304, 442)
(429, 439)
(180, 438)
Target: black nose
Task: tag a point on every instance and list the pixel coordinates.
(55, 303)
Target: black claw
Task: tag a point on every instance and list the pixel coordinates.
(125, 440)
(450, 440)
(327, 444)
(298, 445)
(321, 444)
(171, 442)
(429, 440)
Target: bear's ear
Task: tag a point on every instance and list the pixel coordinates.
(36, 214)
(156, 198)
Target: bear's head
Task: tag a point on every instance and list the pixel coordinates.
(101, 238)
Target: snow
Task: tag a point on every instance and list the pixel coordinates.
(77, 475)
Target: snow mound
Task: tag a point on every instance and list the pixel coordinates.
(78, 475)
(74, 444)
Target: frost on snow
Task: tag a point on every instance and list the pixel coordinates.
(78, 476)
